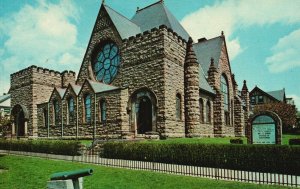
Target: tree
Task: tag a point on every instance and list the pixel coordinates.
(286, 112)
(5, 124)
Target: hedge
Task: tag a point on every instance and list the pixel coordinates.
(42, 146)
(236, 141)
(261, 158)
(294, 141)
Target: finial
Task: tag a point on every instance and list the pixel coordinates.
(103, 2)
(190, 40)
(222, 33)
(137, 9)
(244, 82)
(212, 61)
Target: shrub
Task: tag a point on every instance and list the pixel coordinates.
(236, 141)
(294, 141)
(42, 146)
(261, 158)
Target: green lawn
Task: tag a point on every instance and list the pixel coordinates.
(33, 173)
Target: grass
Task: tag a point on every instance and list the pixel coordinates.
(33, 173)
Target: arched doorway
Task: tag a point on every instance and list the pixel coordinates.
(20, 124)
(20, 116)
(144, 115)
(143, 108)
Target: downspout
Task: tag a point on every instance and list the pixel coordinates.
(77, 117)
(95, 117)
(62, 119)
(48, 120)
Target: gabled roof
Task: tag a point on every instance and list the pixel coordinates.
(76, 88)
(4, 97)
(279, 94)
(203, 82)
(155, 15)
(101, 87)
(207, 49)
(125, 27)
(61, 92)
(256, 88)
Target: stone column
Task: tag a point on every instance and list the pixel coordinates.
(191, 91)
(246, 99)
(25, 129)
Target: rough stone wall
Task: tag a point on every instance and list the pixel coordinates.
(69, 127)
(103, 30)
(220, 128)
(206, 128)
(191, 91)
(42, 130)
(154, 60)
(67, 77)
(85, 129)
(55, 127)
(30, 87)
(239, 122)
(174, 83)
(117, 119)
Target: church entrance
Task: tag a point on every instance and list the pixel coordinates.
(143, 110)
(144, 115)
(20, 116)
(20, 124)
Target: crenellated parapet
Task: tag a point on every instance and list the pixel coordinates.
(155, 32)
(39, 75)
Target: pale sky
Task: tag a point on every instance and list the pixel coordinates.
(263, 36)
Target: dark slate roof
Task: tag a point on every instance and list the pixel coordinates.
(208, 49)
(101, 87)
(4, 97)
(279, 94)
(155, 15)
(125, 27)
(203, 82)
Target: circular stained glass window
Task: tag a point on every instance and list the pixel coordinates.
(106, 63)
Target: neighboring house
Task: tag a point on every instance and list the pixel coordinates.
(258, 96)
(140, 76)
(5, 106)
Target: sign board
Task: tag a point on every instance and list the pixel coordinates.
(263, 134)
(264, 127)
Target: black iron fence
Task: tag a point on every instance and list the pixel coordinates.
(205, 172)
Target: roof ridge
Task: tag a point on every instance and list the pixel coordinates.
(120, 14)
(149, 6)
(208, 40)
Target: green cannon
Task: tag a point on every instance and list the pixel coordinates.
(62, 178)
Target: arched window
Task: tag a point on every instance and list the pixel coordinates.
(70, 110)
(225, 93)
(87, 108)
(208, 112)
(178, 107)
(45, 117)
(55, 112)
(201, 110)
(102, 111)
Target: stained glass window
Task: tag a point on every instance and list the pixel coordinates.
(87, 106)
(224, 90)
(103, 110)
(71, 109)
(107, 63)
(201, 110)
(208, 112)
(56, 112)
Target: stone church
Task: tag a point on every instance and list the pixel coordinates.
(140, 77)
